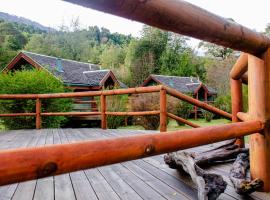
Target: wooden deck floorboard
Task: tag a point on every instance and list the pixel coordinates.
(148, 178)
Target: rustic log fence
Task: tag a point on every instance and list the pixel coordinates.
(184, 18)
(164, 91)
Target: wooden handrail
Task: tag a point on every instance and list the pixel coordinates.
(182, 120)
(31, 163)
(164, 90)
(240, 67)
(196, 102)
(17, 114)
(138, 113)
(137, 90)
(70, 113)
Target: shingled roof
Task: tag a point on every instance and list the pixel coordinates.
(182, 84)
(70, 71)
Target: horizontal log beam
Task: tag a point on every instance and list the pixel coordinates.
(137, 90)
(184, 18)
(32, 163)
(141, 113)
(85, 102)
(180, 119)
(198, 103)
(71, 114)
(17, 114)
(240, 67)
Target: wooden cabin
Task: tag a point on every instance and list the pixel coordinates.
(78, 76)
(187, 85)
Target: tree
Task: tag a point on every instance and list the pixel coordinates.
(214, 50)
(112, 57)
(32, 82)
(143, 56)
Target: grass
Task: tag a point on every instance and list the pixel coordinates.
(174, 126)
(201, 122)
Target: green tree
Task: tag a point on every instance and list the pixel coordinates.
(112, 57)
(214, 50)
(32, 82)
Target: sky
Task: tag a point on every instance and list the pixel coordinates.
(54, 13)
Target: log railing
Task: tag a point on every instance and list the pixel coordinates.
(163, 90)
(31, 163)
(184, 18)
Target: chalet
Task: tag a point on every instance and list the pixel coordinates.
(78, 76)
(187, 85)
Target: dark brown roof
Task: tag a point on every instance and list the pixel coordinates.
(70, 71)
(182, 84)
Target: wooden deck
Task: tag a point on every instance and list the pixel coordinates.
(148, 178)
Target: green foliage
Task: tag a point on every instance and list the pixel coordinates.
(132, 60)
(208, 116)
(223, 102)
(112, 57)
(183, 110)
(116, 104)
(32, 82)
(146, 102)
(214, 50)
(143, 55)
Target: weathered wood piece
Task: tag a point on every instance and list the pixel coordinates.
(238, 175)
(210, 186)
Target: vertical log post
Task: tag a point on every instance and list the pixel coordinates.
(38, 115)
(196, 108)
(103, 111)
(259, 108)
(237, 104)
(163, 110)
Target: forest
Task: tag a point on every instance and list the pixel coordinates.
(131, 59)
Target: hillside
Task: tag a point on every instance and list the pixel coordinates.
(22, 20)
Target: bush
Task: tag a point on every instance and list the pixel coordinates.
(32, 82)
(223, 102)
(183, 110)
(208, 116)
(116, 104)
(145, 102)
(149, 102)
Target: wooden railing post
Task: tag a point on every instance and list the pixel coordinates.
(237, 104)
(103, 111)
(163, 110)
(259, 109)
(38, 113)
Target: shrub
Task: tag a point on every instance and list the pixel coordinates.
(145, 102)
(116, 104)
(208, 116)
(223, 102)
(183, 110)
(32, 82)
(149, 102)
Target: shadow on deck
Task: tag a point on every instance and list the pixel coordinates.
(148, 178)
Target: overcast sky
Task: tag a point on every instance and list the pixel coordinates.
(251, 13)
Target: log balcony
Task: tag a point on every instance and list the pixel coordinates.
(148, 178)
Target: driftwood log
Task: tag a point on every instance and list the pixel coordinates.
(210, 185)
(238, 176)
